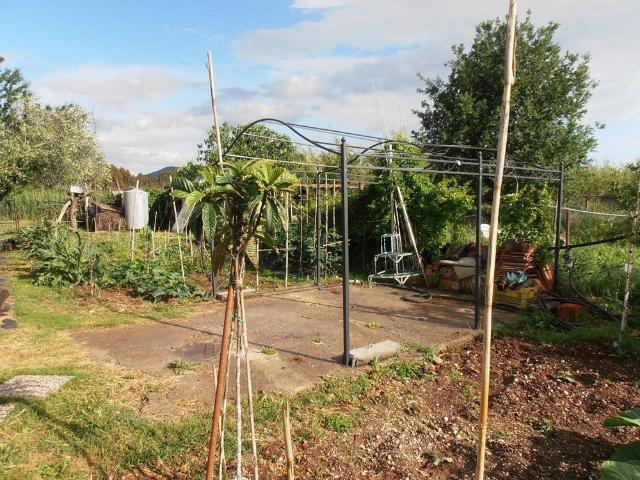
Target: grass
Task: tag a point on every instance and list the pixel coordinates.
(179, 366)
(532, 328)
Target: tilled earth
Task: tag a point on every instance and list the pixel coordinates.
(547, 404)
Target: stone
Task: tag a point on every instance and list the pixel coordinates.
(37, 387)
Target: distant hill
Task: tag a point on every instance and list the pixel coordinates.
(162, 171)
(121, 178)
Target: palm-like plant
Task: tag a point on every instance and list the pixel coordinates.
(241, 204)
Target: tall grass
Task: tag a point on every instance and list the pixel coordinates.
(32, 204)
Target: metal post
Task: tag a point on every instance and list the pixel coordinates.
(318, 227)
(344, 187)
(478, 244)
(556, 259)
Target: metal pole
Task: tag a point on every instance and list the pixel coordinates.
(344, 187)
(556, 255)
(318, 227)
(478, 292)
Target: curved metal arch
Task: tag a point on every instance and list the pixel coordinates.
(268, 119)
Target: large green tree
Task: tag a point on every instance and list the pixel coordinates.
(14, 89)
(548, 103)
(44, 145)
(258, 142)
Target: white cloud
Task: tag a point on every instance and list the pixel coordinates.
(114, 88)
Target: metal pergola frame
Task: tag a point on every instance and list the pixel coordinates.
(438, 159)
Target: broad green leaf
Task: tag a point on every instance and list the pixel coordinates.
(629, 418)
(627, 453)
(612, 470)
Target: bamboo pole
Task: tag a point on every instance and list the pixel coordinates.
(509, 79)
(214, 109)
(287, 440)
(175, 214)
(133, 223)
(153, 234)
(257, 264)
(247, 365)
(629, 269)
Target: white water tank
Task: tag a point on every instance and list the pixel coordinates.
(136, 208)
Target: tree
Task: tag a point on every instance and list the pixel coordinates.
(14, 89)
(51, 146)
(247, 196)
(548, 103)
(258, 142)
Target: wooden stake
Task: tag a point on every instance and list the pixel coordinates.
(153, 234)
(216, 126)
(133, 223)
(412, 237)
(628, 269)
(175, 214)
(287, 440)
(216, 425)
(509, 79)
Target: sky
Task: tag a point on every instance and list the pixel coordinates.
(140, 66)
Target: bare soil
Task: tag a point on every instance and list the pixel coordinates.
(547, 408)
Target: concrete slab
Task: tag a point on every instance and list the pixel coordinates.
(380, 351)
(295, 336)
(37, 387)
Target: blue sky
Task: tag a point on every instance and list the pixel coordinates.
(351, 64)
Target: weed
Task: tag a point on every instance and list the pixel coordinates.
(406, 370)
(373, 325)
(438, 459)
(544, 427)
(179, 365)
(317, 340)
(454, 375)
(268, 351)
(429, 352)
(337, 422)
(470, 392)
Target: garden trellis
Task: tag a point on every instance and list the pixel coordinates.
(360, 163)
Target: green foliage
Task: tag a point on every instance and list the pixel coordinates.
(406, 370)
(337, 422)
(548, 101)
(179, 366)
(436, 206)
(628, 418)
(258, 142)
(526, 216)
(598, 272)
(624, 464)
(152, 280)
(31, 203)
(59, 256)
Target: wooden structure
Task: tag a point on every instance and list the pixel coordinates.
(105, 218)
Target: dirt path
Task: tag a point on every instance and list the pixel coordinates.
(303, 328)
